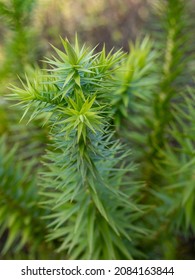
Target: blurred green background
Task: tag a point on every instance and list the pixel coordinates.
(40, 22)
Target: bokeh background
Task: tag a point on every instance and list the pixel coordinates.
(29, 26)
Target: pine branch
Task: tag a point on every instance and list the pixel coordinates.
(93, 210)
(173, 50)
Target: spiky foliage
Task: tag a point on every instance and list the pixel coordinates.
(172, 139)
(134, 94)
(17, 238)
(20, 225)
(158, 121)
(19, 49)
(87, 185)
(93, 204)
(174, 47)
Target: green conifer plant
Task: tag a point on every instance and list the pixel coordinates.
(154, 106)
(91, 204)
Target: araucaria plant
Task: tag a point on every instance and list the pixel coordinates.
(91, 203)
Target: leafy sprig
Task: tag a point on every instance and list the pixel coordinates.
(93, 206)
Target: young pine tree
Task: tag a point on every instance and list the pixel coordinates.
(91, 202)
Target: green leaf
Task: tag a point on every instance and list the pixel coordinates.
(91, 228)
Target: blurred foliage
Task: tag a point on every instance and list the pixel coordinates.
(151, 106)
(17, 53)
(155, 114)
(18, 40)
